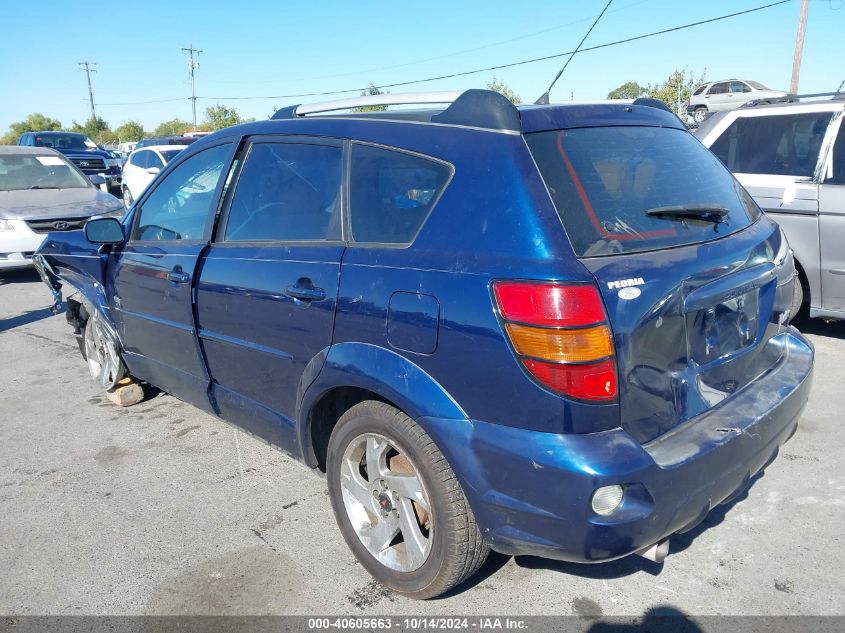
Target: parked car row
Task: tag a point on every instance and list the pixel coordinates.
(720, 96)
(558, 330)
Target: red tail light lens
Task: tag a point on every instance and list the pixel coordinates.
(561, 336)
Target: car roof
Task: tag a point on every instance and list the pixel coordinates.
(57, 133)
(7, 150)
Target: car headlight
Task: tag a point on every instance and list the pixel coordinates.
(112, 162)
(5, 225)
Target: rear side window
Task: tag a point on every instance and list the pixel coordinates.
(786, 144)
(604, 180)
(836, 176)
(287, 192)
(391, 193)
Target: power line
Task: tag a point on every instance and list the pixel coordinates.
(481, 70)
(512, 64)
(125, 103)
(88, 71)
(544, 98)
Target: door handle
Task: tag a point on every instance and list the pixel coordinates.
(178, 277)
(304, 293)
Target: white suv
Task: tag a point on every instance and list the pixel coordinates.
(141, 168)
(791, 159)
(718, 96)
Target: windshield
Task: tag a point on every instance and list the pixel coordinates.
(612, 187)
(28, 171)
(756, 85)
(64, 141)
(168, 154)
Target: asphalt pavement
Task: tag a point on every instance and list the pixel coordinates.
(160, 508)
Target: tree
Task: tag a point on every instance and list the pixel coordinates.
(371, 90)
(676, 90)
(219, 116)
(169, 128)
(500, 87)
(129, 131)
(628, 90)
(35, 122)
(92, 129)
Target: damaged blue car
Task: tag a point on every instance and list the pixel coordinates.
(554, 330)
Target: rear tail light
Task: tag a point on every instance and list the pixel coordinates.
(561, 336)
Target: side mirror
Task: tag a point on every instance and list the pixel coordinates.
(104, 231)
(153, 170)
(97, 180)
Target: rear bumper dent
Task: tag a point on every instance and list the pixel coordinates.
(531, 491)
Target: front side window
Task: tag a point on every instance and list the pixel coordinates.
(153, 160)
(738, 86)
(391, 193)
(626, 189)
(179, 207)
(26, 171)
(287, 192)
(139, 159)
(785, 144)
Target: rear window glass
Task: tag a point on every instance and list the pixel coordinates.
(604, 180)
(780, 144)
(391, 193)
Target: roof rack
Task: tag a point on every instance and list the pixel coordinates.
(475, 108)
(792, 98)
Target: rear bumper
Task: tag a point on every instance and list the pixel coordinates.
(531, 491)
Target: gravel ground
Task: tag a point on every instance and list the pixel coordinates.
(162, 509)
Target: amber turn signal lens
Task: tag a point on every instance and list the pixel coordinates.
(562, 346)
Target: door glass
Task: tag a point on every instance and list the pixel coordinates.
(738, 86)
(718, 89)
(154, 160)
(287, 192)
(178, 208)
(391, 193)
(786, 144)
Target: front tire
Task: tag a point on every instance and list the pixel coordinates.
(398, 503)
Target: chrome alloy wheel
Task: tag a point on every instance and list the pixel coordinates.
(386, 502)
(104, 361)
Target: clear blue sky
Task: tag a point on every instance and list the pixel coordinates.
(254, 48)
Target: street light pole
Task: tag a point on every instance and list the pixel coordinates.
(193, 66)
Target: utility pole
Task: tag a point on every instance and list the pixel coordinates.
(88, 71)
(193, 66)
(799, 47)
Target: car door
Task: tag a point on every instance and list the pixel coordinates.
(150, 279)
(133, 172)
(832, 224)
(268, 285)
(740, 93)
(719, 97)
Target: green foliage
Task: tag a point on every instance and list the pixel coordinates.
(129, 131)
(219, 116)
(675, 90)
(35, 122)
(93, 128)
(502, 88)
(628, 90)
(169, 128)
(371, 90)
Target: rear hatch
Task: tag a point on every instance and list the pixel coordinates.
(692, 277)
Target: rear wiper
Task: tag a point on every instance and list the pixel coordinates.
(711, 213)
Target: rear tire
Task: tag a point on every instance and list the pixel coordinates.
(127, 197)
(421, 543)
(699, 114)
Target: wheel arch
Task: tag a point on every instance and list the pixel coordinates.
(354, 372)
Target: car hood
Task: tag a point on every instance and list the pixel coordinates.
(83, 152)
(65, 203)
